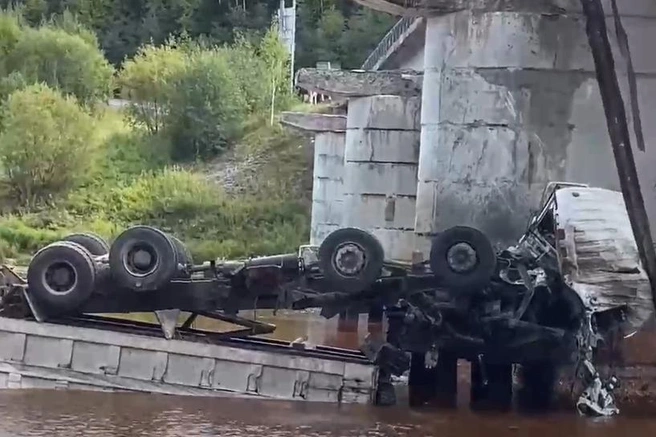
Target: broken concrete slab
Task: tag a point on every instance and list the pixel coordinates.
(309, 122)
(342, 83)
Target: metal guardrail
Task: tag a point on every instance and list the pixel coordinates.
(382, 50)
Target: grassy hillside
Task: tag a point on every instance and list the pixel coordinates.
(254, 200)
(196, 154)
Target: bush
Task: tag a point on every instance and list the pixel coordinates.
(47, 144)
(148, 80)
(10, 83)
(191, 96)
(198, 98)
(176, 200)
(10, 32)
(251, 80)
(101, 172)
(64, 61)
(213, 224)
(207, 110)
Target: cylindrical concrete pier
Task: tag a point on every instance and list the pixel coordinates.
(510, 102)
(328, 185)
(382, 149)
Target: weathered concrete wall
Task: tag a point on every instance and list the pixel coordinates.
(327, 185)
(382, 148)
(510, 101)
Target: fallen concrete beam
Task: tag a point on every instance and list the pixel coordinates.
(343, 83)
(309, 122)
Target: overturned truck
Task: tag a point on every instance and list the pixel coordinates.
(572, 284)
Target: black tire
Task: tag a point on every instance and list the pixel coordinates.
(364, 275)
(61, 294)
(184, 255)
(160, 266)
(95, 244)
(475, 276)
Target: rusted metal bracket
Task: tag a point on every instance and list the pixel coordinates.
(618, 130)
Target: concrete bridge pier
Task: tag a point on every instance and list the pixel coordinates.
(510, 101)
(380, 170)
(329, 133)
(327, 185)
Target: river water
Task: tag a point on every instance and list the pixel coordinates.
(91, 414)
(70, 414)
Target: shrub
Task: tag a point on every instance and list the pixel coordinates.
(10, 31)
(198, 97)
(171, 193)
(62, 60)
(46, 143)
(207, 110)
(190, 96)
(10, 83)
(251, 80)
(147, 81)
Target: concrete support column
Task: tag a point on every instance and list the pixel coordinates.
(327, 180)
(510, 102)
(380, 173)
(327, 185)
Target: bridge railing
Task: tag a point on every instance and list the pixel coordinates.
(381, 52)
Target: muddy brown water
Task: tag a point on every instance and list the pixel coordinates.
(71, 414)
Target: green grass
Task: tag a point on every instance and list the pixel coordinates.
(135, 186)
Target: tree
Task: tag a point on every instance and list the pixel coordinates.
(276, 57)
(10, 32)
(148, 81)
(329, 35)
(364, 30)
(207, 109)
(47, 144)
(62, 60)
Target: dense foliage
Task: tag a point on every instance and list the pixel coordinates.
(328, 30)
(67, 162)
(47, 144)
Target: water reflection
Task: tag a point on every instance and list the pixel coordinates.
(291, 325)
(71, 414)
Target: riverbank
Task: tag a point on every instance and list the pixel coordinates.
(198, 152)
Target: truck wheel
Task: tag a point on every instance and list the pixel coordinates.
(95, 244)
(61, 276)
(351, 259)
(184, 255)
(143, 258)
(462, 257)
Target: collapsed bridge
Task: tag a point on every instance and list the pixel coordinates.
(538, 304)
(494, 306)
